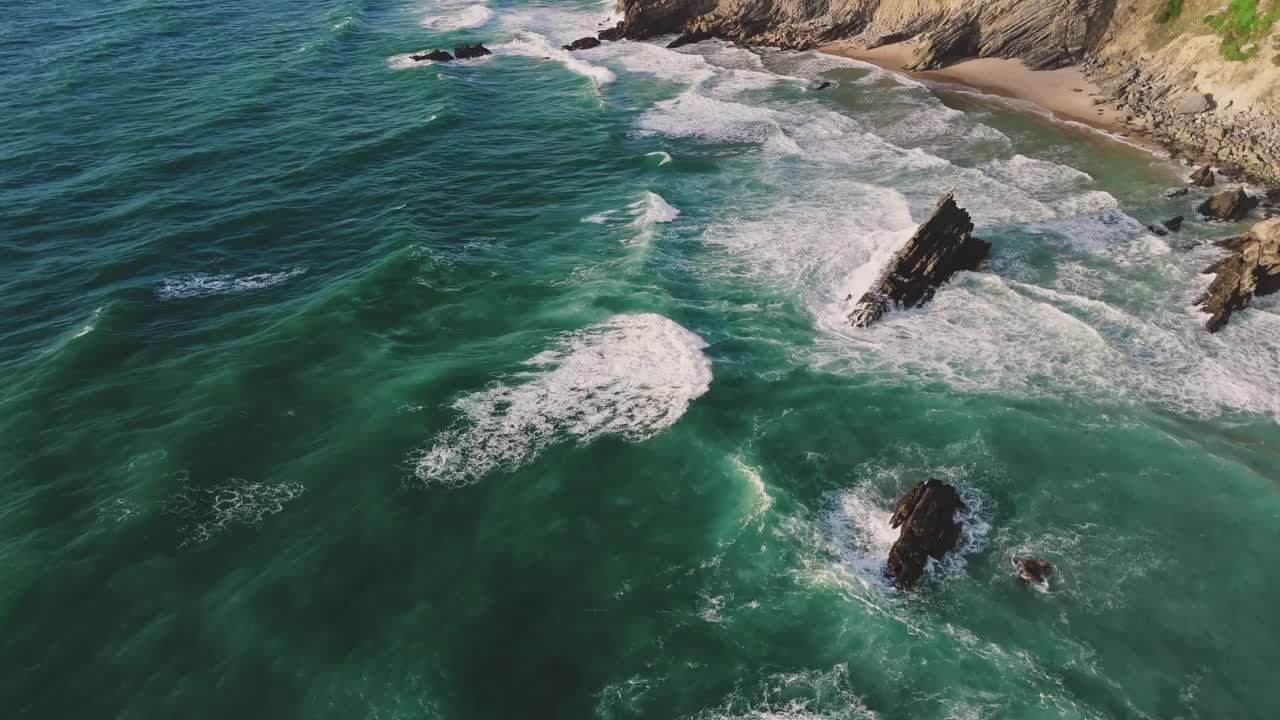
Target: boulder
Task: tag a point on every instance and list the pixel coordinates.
(1193, 104)
(1230, 205)
(690, 38)
(1174, 224)
(1034, 571)
(585, 43)
(614, 33)
(823, 85)
(1203, 177)
(1176, 192)
(433, 56)
(927, 516)
(1252, 269)
(1157, 230)
(467, 52)
(941, 247)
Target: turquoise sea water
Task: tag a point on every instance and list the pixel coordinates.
(337, 385)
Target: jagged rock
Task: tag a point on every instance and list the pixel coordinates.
(467, 52)
(1253, 269)
(1194, 104)
(585, 43)
(941, 247)
(823, 85)
(927, 516)
(1157, 230)
(1176, 192)
(1174, 224)
(1203, 177)
(613, 34)
(1231, 205)
(1034, 571)
(690, 38)
(434, 56)
(1273, 196)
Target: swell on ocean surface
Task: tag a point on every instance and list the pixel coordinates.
(631, 376)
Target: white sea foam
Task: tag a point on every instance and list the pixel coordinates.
(193, 285)
(89, 325)
(531, 44)
(455, 16)
(800, 695)
(651, 210)
(208, 512)
(632, 376)
(760, 499)
(664, 157)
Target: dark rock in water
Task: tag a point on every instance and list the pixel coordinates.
(820, 85)
(585, 43)
(1036, 571)
(1253, 269)
(434, 56)
(614, 33)
(466, 52)
(1177, 192)
(941, 247)
(1273, 196)
(1174, 224)
(1158, 230)
(1230, 205)
(690, 38)
(1203, 177)
(927, 516)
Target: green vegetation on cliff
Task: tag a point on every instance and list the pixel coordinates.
(1243, 27)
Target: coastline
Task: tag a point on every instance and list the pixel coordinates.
(1065, 93)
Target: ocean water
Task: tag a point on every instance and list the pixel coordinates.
(339, 385)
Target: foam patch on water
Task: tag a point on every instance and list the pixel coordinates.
(651, 210)
(798, 695)
(194, 285)
(663, 157)
(531, 44)
(208, 512)
(631, 376)
(457, 16)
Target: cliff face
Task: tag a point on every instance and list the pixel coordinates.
(1152, 68)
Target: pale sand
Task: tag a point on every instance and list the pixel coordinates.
(1053, 90)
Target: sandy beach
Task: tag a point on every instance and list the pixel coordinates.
(1066, 93)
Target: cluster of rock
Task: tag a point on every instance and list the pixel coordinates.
(942, 246)
(1169, 107)
(463, 52)
(1252, 269)
(929, 529)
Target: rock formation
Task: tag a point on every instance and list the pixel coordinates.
(941, 247)
(1174, 224)
(1034, 571)
(1203, 177)
(1230, 205)
(467, 52)
(585, 43)
(1252, 269)
(617, 32)
(434, 56)
(1174, 84)
(927, 516)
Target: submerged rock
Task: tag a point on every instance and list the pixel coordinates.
(820, 85)
(927, 516)
(1253, 269)
(1157, 230)
(585, 43)
(466, 52)
(1203, 177)
(1231, 205)
(434, 56)
(1176, 192)
(941, 247)
(690, 38)
(1174, 224)
(1031, 570)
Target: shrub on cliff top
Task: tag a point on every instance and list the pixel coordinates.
(1171, 10)
(1242, 22)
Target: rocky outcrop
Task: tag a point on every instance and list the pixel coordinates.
(617, 32)
(1034, 571)
(1252, 269)
(942, 246)
(927, 516)
(467, 52)
(1203, 177)
(434, 56)
(1174, 83)
(1230, 206)
(585, 43)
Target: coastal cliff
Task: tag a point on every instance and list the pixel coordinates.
(1202, 76)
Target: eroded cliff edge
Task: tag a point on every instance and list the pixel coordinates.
(1209, 91)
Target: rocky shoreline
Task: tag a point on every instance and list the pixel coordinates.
(1182, 94)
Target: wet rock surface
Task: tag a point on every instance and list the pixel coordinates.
(1230, 205)
(1203, 177)
(1252, 269)
(926, 515)
(585, 43)
(1034, 571)
(942, 246)
(467, 52)
(434, 56)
